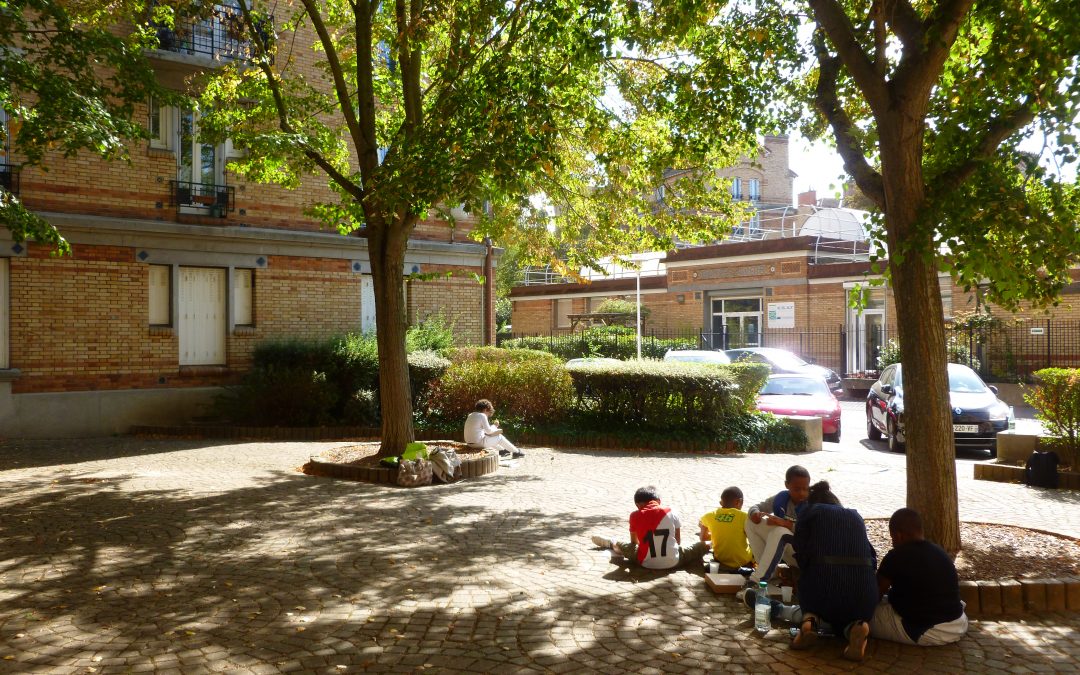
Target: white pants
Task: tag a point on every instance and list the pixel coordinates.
(500, 442)
(770, 544)
(887, 625)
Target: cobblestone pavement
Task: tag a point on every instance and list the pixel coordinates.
(133, 555)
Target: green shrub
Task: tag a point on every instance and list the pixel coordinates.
(624, 307)
(761, 430)
(425, 368)
(1056, 399)
(667, 395)
(525, 388)
(615, 342)
(276, 396)
(956, 351)
(500, 355)
(433, 334)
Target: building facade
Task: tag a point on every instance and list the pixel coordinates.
(179, 268)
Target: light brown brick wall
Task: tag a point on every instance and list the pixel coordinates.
(458, 299)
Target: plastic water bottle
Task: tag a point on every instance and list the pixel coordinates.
(762, 607)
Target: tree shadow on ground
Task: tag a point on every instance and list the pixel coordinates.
(301, 572)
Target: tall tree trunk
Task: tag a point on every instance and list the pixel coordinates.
(386, 249)
(931, 455)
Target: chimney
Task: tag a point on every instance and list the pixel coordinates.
(808, 198)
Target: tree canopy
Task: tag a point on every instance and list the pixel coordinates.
(71, 76)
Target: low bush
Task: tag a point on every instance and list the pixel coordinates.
(615, 342)
(277, 396)
(433, 334)
(500, 355)
(525, 388)
(1056, 399)
(425, 368)
(668, 395)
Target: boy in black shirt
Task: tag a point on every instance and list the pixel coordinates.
(921, 603)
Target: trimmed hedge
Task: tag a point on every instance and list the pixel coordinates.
(616, 342)
(666, 395)
(1056, 399)
(526, 387)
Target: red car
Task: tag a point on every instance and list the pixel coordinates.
(802, 395)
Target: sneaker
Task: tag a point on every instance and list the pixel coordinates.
(518, 454)
(745, 571)
(504, 453)
(603, 542)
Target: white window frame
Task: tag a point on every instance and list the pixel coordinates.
(243, 297)
(155, 311)
(5, 312)
(165, 116)
(753, 189)
(736, 188)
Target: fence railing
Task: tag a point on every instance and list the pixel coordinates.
(1007, 353)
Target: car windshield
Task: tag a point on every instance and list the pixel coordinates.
(784, 359)
(794, 386)
(963, 380)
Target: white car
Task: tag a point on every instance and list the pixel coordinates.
(588, 361)
(697, 356)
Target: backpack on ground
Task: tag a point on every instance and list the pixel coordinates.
(1041, 470)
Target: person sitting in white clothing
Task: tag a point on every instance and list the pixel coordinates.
(481, 432)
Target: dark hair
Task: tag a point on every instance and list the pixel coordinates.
(646, 494)
(906, 521)
(482, 405)
(796, 471)
(730, 495)
(821, 494)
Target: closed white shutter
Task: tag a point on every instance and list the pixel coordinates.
(367, 304)
(202, 316)
(4, 309)
(242, 297)
(159, 295)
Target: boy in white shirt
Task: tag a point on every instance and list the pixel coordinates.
(482, 433)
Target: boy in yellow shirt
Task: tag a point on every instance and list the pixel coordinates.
(726, 529)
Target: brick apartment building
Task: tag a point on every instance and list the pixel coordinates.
(782, 279)
(179, 268)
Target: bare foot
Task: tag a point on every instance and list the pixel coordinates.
(857, 639)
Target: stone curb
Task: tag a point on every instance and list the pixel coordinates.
(585, 441)
(1004, 473)
(1010, 597)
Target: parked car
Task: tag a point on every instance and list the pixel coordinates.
(977, 413)
(802, 395)
(696, 356)
(783, 361)
(588, 361)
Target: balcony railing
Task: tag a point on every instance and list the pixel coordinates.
(192, 198)
(9, 178)
(220, 36)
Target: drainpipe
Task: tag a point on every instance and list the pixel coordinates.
(489, 293)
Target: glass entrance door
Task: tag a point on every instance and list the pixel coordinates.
(736, 323)
(866, 333)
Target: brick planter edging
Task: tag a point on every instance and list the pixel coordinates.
(1004, 473)
(471, 467)
(988, 599)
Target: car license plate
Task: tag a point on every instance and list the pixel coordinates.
(965, 428)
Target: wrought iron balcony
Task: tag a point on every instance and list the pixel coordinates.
(192, 198)
(219, 36)
(9, 178)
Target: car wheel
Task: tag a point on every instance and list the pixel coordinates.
(834, 437)
(895, 445)
(993, 451)
(872, 432)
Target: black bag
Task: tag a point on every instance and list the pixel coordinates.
(1041, 470)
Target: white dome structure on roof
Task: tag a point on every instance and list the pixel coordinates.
(835, 223)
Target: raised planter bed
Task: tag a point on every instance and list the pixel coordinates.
(1005, 473)
(471, 467)
(986, 599)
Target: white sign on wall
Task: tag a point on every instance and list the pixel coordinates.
(781, 315)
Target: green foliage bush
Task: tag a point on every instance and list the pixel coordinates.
(525, 387)
(666, 395)
(500, 355)
(433, 334)
(615, 342)
(956, 350)
(624, 307)
(425, 368)
(1056, 399)
(275, 396)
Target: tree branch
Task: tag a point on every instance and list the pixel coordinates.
(365, 91)
(340, 87)
(881, 62)
(831, 18)
(920, 66)
(410, 65)
(827, 101)
(996, 133)
(906, 23)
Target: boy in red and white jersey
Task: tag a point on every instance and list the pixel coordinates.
(655, 535)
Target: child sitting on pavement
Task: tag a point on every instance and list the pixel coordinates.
(655, 535)
(725, 528)
(770, 525)
(921, 603)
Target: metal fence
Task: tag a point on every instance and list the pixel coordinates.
(1007, 353)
